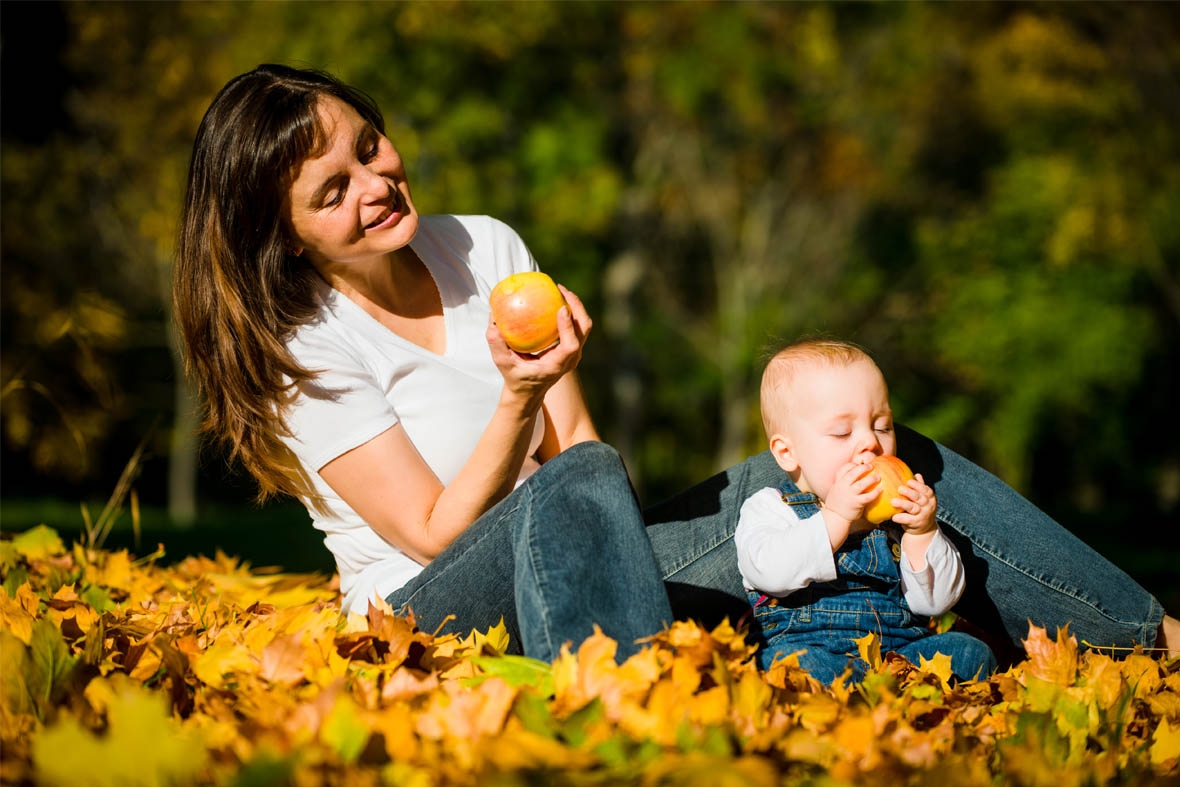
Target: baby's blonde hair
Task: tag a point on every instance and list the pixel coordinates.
(788, 361)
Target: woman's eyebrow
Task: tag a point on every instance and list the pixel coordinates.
(366, 135)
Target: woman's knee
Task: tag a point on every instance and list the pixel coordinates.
(590, 469)
(591, 453)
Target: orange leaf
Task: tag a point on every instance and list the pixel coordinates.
(281, 661)
(1054, 662)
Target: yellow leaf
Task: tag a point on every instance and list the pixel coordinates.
(1054, 662)
(1103, 679)
(142, 745)
(147, 664)
(222, 657)
(700, 770)
(869, 647)
(73, 617)
(940, 666)
(751, 699)
(39, 543)
(14, 616)
(459, 712)
(855, 735)
(406, 683)
(15, 659)
(1166, 705)
(518, 749)
(28, 599)
(817, 712)
(113, 570)
(396, 726)
(709, 707)
(785, 673)
(595, 674)
(344, 731)
(1143, 673)
(1165, 744)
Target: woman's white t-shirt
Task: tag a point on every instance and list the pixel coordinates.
(371, 379)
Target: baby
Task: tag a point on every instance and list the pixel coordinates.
(819, 576)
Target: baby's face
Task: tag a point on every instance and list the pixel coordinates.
(837, 415)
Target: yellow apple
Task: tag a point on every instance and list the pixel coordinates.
(525, 306)
(894, 473)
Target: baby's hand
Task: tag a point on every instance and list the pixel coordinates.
(918, 504)
(852, 490)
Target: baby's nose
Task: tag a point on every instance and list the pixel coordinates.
(868, 446)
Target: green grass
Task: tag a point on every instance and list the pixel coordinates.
(279, 534)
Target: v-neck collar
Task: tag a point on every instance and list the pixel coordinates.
(355, 315)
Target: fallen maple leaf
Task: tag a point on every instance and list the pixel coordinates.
(1049, 660)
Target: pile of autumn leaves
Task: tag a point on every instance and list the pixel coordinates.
(123, 672)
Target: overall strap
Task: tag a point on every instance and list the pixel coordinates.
(806, 504)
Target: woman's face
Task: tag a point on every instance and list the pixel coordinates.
(352, 203)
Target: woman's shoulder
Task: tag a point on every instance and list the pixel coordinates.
(329, 336)
(482, 243)
(468, 230)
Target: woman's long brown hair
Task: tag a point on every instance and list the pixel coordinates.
(239, 292)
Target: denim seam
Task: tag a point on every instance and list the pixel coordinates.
(944, 517)
(541, 593)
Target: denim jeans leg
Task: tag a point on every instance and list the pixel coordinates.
(583, 558)
(564, 551)
(1022, 566)
(970, 657)
(692, 535)
(470, 584)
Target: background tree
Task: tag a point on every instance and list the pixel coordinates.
(985, 195)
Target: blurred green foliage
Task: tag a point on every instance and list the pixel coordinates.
(986, 195)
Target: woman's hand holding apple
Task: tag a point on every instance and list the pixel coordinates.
(525, 307)
(532, 374)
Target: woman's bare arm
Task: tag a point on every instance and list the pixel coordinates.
(391, 487)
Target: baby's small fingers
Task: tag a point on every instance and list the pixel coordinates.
(907, 506)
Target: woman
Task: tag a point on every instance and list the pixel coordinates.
(344, 349)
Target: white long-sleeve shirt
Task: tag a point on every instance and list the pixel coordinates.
(779, 553)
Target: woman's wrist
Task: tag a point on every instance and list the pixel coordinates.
(525, 403)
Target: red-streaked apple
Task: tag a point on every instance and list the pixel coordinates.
(525, 306)
(894, 473)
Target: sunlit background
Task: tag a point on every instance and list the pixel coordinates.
(986, 195)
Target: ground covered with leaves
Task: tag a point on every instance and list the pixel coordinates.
(118, 671)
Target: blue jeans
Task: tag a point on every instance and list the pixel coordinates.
(565, 551)
(826, 630)
(531, 561)
(1021, 566)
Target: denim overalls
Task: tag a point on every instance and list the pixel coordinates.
(826, 617)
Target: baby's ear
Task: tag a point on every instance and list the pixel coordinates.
(783, 452)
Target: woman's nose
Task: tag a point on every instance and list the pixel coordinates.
(372, 185)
